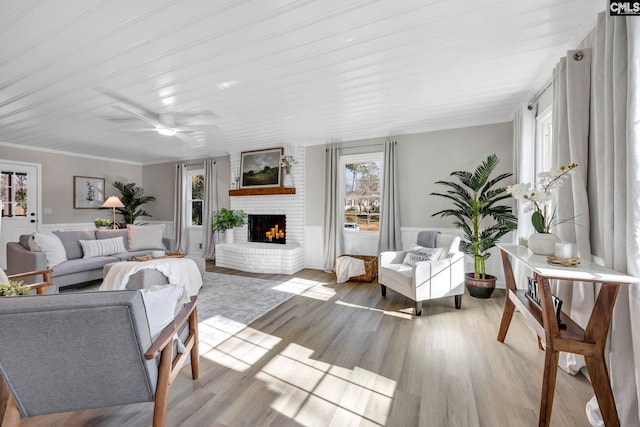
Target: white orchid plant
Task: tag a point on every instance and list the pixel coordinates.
(539, 199)
(287, 163)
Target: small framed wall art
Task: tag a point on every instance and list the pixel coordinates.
(88, 192)
(260, 168)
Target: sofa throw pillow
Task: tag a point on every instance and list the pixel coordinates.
(160, 303)
(420, 253)
(52, 247)
(102, 247)
(145, 237)
(110, 234)
(3, 277)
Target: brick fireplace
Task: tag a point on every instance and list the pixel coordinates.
(256, 255)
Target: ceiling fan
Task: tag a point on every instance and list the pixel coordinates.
(190, 127)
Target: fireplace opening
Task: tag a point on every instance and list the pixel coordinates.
(267, 229)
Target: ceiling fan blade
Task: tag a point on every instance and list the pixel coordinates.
(196, 118)
(140, 116)
(198, 128)
(190, 140)
(126, 101)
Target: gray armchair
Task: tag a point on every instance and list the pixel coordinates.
(68, 352)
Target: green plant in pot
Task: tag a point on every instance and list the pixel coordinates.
(227, 219)
(477, 211)
(132, 197)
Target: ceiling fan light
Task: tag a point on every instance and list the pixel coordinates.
(166, 131)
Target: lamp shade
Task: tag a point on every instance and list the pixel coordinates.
(113, 202)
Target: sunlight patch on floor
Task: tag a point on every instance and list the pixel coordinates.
(399, 314)
(240, 351)
(306, 288)
(314, 393)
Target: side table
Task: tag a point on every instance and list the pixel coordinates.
(589, 342)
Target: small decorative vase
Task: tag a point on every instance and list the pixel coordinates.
(287, 180)
(543, 243)
(228, 235)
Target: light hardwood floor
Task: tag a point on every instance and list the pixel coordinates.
(341, 355)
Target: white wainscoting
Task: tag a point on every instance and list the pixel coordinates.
(313, 251)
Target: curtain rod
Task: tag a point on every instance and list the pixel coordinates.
(539, 94)
(378, 144)
(196, 163)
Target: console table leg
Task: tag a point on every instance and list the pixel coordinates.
(602, 388)
(509, 306)
(548, 385)
(507, 314)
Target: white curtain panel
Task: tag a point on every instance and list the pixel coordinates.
(604, 193)
(390, 238)
(614, 192)
(209, 206)
(524, 134)
(332, 233)
(571, 135)
(179, 208)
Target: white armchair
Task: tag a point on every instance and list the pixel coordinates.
(425, 280)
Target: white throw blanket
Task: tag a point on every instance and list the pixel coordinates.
(347, 266)
(179, 271)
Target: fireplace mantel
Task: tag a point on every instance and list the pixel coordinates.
(268, 191)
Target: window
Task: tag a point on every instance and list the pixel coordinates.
(195, 197)
(13, 193)
(544, 141)
(362, 187)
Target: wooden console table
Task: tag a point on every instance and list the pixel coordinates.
(589, 342)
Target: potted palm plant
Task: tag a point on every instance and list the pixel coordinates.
(482, 218)
(132, 197)
(227, 219)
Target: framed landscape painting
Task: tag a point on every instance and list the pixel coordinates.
(260, 168)
(88, 192)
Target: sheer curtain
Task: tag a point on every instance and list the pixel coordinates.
(390, 239)
(209, 206)
(332, 231)
(179, 215)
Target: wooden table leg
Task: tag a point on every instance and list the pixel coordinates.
(548, 385)
(551, 354)
(509, 307)
(596, 332)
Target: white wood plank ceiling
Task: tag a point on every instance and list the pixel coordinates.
(78, 75)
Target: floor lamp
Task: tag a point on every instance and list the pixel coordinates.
(113, 202)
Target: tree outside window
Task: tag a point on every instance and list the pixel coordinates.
(363, 188)
(196, 197)
(13, 191)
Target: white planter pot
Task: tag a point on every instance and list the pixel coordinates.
(228, 235)
(543, 243)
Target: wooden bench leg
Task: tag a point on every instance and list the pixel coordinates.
(383, 290)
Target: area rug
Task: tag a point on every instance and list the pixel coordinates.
(228, 303)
